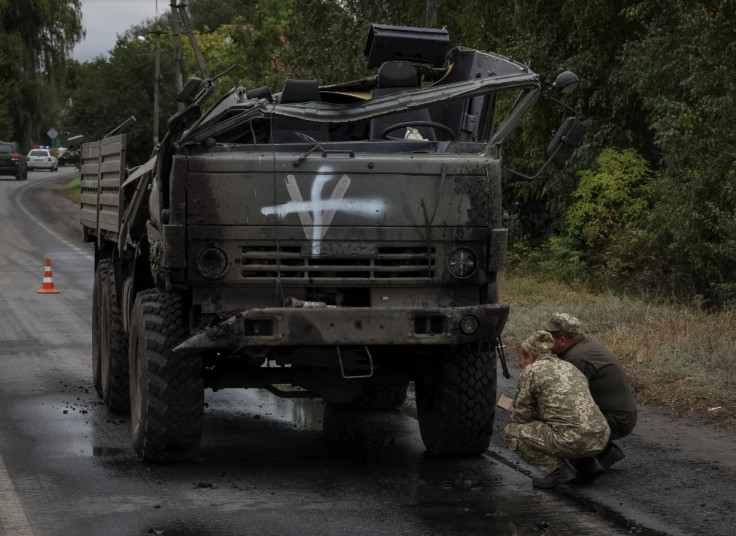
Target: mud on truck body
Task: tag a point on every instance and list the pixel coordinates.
(337, 242)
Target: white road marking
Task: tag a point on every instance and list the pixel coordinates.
(42, 225)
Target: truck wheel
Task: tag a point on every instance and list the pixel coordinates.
(384, 398)
(456, 395)
(166, 389)
(113, 346)
(100, 274)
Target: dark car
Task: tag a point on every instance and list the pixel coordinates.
(12, 162)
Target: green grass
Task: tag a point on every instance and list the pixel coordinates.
(674, 354)
(71, 190)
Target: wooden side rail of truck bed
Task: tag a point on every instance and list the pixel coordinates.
(103, 173)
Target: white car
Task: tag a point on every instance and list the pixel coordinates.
(42, 159)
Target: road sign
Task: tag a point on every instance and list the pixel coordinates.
(52, 133)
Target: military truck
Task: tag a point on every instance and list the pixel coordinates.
(339, 241)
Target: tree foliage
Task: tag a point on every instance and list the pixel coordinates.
(649, 193)
(107, 91)
(35, 39)
(682, 68)
(208, 15)
(609, 217)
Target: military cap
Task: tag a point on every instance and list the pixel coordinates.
(563, 322)
(538, 343)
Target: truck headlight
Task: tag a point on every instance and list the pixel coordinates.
(462, 263)
(212, 262)
(468, 324)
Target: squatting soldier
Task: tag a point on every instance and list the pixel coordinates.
(554, 417)
(608, 385)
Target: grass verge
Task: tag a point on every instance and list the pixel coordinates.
(674, 354)
(72, 190)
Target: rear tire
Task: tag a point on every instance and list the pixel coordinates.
(113, 346)
(166, 389)
(456, 394)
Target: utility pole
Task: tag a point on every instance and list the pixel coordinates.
(176, 41)
(193, 40)
(432, 13)
(156, 83)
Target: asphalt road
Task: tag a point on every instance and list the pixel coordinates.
(267, 465)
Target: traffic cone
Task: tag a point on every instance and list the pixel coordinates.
(48, 282)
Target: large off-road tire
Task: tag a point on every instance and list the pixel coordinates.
(166, 390)
(100, 274)
(456, 394)
(113, 346)
(385, 398)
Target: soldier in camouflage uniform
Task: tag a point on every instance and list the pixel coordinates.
(608, 385)
(554, 417)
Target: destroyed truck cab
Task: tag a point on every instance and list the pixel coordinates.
(337, 242)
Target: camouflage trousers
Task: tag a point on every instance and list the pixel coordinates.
(547, 448)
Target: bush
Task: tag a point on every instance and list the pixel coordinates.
(605, 240)
(609, 216)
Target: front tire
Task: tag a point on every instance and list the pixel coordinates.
(456, 394)
(113, 346)
(166, 389)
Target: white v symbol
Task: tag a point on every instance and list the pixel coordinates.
(322, 218)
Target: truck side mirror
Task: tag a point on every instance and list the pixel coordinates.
(566, 81)
(565, 140)
(561, 146)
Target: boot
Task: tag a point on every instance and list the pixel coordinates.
(564, 474)
(610, 455)
(587, 469)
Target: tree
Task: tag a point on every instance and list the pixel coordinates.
(105, 92)
(209, 15)
(682, 69)
(35, 40)
(609, 217)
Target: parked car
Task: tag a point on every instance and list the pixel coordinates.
(42, 159)
(12, 161)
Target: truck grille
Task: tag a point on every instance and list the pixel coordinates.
(288, 262)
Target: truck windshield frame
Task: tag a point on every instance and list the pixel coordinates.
(229, 113)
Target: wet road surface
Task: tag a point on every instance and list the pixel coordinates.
(266, 466)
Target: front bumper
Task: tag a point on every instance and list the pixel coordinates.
(334, 326)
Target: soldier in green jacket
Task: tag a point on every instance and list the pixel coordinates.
(555, 418)
(608, 385)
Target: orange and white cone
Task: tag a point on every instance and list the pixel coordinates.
(48, 281)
